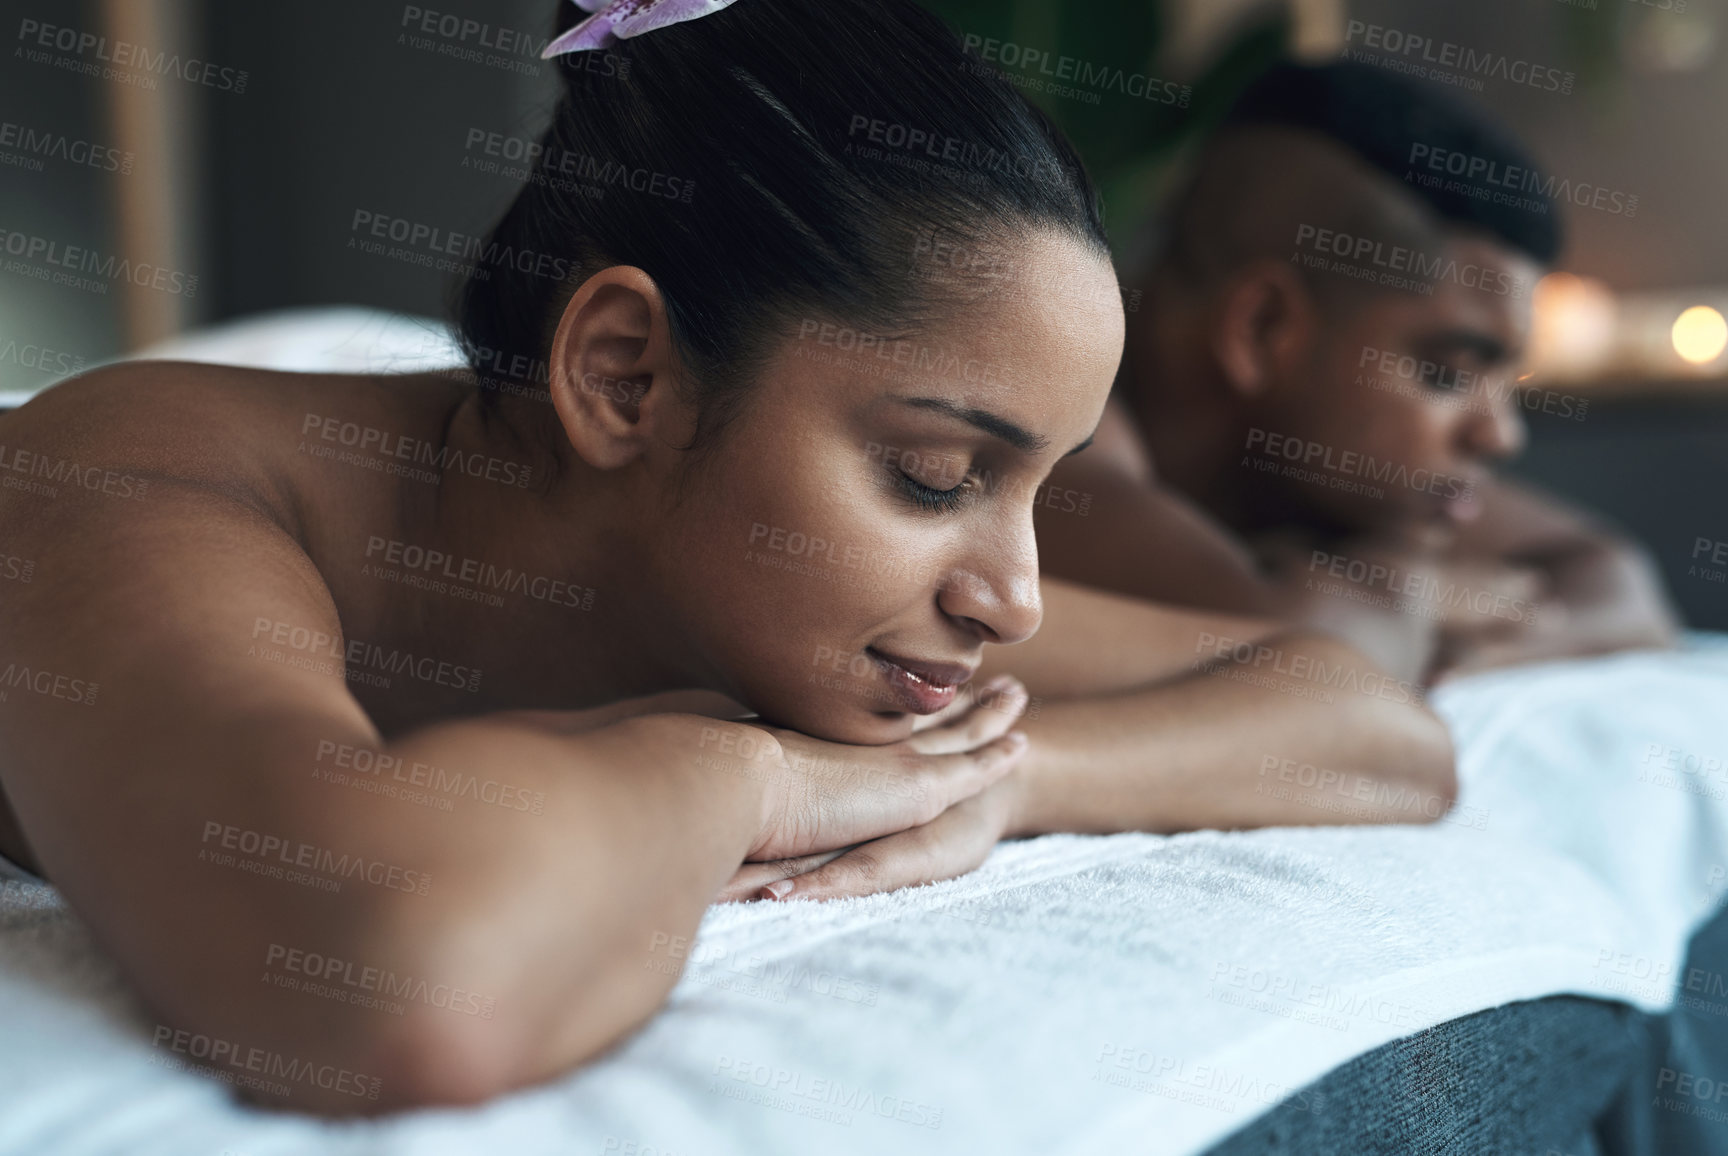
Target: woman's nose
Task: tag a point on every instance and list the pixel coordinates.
(998, 591)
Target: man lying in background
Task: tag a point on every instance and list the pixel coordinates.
(1320, 379)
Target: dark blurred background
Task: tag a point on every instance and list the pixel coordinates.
(246, 164)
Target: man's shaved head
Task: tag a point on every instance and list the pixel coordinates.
(1257, 188)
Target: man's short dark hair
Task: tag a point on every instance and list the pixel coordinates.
(1400, 126)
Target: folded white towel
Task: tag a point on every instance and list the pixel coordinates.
(1076, 995)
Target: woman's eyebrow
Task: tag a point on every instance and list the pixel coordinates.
(993, 424)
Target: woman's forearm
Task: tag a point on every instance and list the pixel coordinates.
(1301, 730)
(565, 921)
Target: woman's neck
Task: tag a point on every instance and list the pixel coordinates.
(513, 568)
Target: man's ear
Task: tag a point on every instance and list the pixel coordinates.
(612, 368)
(1266, 321)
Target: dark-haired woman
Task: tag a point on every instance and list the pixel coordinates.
(784, 454)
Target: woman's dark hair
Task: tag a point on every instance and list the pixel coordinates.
(774, 162)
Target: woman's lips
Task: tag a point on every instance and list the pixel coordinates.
(921, 687)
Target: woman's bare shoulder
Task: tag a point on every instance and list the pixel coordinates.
(226, 429)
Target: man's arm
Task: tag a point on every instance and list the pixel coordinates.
(1138, 537)
(1144, 718)
(1145, 540)
(1597, 591)
(1151, 718)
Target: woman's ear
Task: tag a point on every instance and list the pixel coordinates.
(1265, 322)
(612, 370)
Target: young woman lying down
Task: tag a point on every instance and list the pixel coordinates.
(430, 674)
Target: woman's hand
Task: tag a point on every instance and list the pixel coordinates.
(955, 842)
(952, 840)
(823, 796)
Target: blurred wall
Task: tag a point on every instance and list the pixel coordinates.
(378, 114)
(363, 111)
(48, 116)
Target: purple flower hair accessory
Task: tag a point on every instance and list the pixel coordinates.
(615, 20)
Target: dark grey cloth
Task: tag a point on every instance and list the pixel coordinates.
(1527, 1079)
(1562, 1076)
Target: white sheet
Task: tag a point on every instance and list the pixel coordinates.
(1076, 995)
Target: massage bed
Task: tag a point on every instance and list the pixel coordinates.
(1515, 979)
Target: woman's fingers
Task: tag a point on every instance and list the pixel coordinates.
(748, 881)
(953, 778)
(832, 796)
(994, 708)
(955, 842)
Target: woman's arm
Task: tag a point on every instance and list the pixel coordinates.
(1145, 718)
(240, 838)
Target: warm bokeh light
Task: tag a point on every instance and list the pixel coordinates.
(1700, 335)
(1574, 325)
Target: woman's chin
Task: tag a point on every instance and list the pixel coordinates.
(843, 724)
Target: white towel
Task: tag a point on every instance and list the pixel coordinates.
(1075, 995)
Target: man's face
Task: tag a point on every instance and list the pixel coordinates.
(1408, 398)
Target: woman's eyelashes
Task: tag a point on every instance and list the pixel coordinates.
(929, 497)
